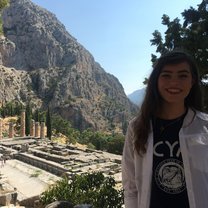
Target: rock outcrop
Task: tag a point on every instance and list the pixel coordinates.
(52, 68)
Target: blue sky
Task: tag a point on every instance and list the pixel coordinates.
(117, 32)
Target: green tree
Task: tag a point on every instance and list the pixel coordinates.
(17, 108)
(3, 4)
(48, 123)
(63, 126)
(89, 188)
(42, 116)
(28, 116)
(94, 138)
(85, 136)
(99, 140)
(191, 35)
(36, 115)
(145, 82)
(8, 109)
(115, 145)
(60, 125)
(112, 143)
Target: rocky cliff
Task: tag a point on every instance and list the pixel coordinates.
(43, 63)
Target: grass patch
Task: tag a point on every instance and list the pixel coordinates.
(36, 173)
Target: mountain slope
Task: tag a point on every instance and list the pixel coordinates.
(60, 72)
(137, 96)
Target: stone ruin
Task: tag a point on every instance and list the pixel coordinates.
(37, 129)
(58, 159)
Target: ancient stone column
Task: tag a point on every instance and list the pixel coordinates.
(22, 127)
(32, 128)
(11, 130)
(37, 129)
(42, 130)
(1, 125)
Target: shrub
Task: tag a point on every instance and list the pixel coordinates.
(87, 188)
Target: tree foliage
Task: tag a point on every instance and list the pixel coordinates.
(48, 123)
(112, 143)
(88, 188)
(3, 4)
(115, 145)
(12, 108)
(28, 117)
(63, 126)
(191, 35)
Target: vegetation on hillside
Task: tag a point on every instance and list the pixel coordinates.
(3, 4)
(112, 143)
(88, 188)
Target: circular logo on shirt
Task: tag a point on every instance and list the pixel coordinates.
(169, 176)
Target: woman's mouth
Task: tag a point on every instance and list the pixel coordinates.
(174, 91)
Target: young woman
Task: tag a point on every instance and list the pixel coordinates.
(165, 157)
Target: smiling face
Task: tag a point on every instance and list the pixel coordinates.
(174, 83)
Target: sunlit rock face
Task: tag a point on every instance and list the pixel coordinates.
(55, 70)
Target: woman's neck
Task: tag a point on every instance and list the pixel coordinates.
(171, 111)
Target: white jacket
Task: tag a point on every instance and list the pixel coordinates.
(137, 170)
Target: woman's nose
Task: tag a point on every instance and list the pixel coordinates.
(174, 80)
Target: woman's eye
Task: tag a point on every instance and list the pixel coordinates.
(165, 75)
(183, 76)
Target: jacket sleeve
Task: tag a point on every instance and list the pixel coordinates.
(128, 171)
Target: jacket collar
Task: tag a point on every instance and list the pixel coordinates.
(191, 115)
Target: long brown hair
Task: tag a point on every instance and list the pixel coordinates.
(152, 99)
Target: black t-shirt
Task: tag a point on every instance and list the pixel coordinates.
(168, 178)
